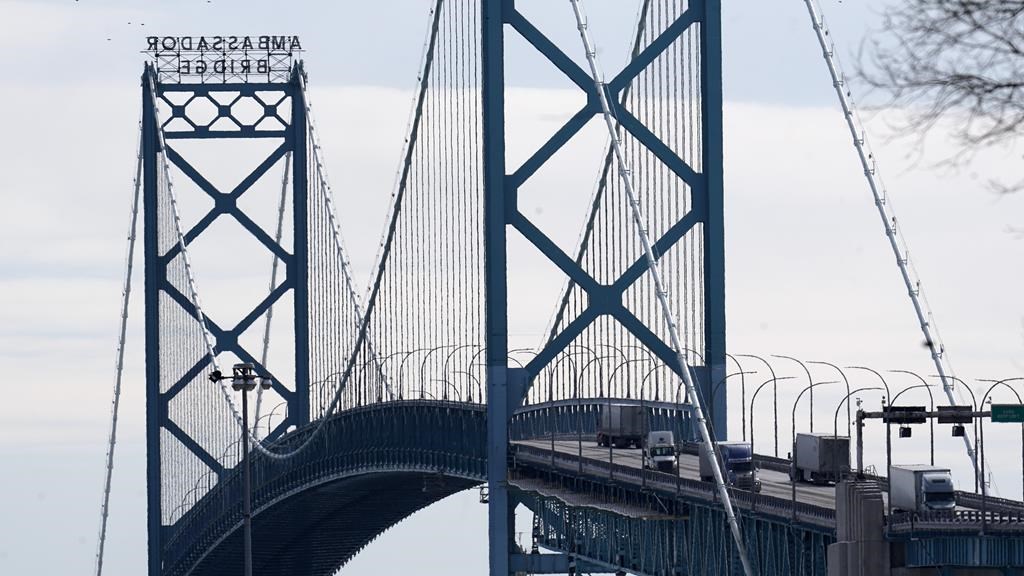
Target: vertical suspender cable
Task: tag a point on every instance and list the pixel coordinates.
(115, 403)
(925, 318)
(641, 228)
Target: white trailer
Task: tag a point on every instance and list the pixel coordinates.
(820, 458)
(921, 488)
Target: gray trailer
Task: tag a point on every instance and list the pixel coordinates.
(621, 425)
(820, 458)
(921, 488)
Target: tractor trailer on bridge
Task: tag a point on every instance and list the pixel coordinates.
(819, 458)
(921, 488)
(621, 425)
(660, 451)
(737, 464)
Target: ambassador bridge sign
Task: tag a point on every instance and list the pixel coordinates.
(213, 59)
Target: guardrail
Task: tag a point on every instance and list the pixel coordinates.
(672, 486)
(963, 499)
(955, 521)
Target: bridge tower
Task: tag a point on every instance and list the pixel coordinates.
(697, 22)
(191, 436)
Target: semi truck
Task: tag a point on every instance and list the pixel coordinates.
(737, 462)
(921, 488)
(621, 425)
(660, 451)
(819, 458)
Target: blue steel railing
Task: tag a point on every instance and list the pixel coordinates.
(570, 419)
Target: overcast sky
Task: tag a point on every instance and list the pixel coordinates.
(809, 270)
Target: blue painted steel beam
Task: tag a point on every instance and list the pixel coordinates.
(714, 221)
(499, 511)
(294, 139)
(153, 275)
(297, 270)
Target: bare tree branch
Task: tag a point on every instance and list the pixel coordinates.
(953, 59)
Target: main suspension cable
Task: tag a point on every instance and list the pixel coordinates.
(119, 363)
(652, 262)
(897, 242)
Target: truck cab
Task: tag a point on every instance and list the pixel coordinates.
(660, 451)
(921, 488)
(737, 461)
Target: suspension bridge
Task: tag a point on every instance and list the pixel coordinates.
(398, 396)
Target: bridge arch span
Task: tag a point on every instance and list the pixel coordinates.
(367, 470)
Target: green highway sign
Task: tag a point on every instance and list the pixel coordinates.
(1008, 413)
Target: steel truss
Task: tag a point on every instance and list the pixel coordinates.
(507, 387)
(163, 299)
(673, 538)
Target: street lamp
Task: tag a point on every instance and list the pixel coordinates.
(775, 399)
(848, 393)
(579, 407)
(994, 384)
(793, 478)
(835, 419)
(773, 380)
(743, 394)
(473, 380)
(444, 395)
(611, 378)
(931, 421)
(243, 379)
(974, 421)
(810, 381)
(743, 400)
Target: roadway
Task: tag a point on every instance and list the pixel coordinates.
(773, 483)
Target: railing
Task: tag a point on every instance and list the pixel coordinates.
(963, 499)
(672, 486)
(956, 521)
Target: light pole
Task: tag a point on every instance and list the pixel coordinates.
(473, 380)
(793, 475)
(773, 380)
(848, 393)
(1004, 383)
(974, 422)
(835, 419)
(743, 400)
(775, 399)
(579, 415)
(401, 369)
(931, 399)
(611, 378)
(743, 394)
(444, 395)
(810, 381)
(552, 421)
(243, 379)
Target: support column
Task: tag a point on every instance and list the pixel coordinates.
(154, 272)
(499, 512)
(298, 407)
(714, 222)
